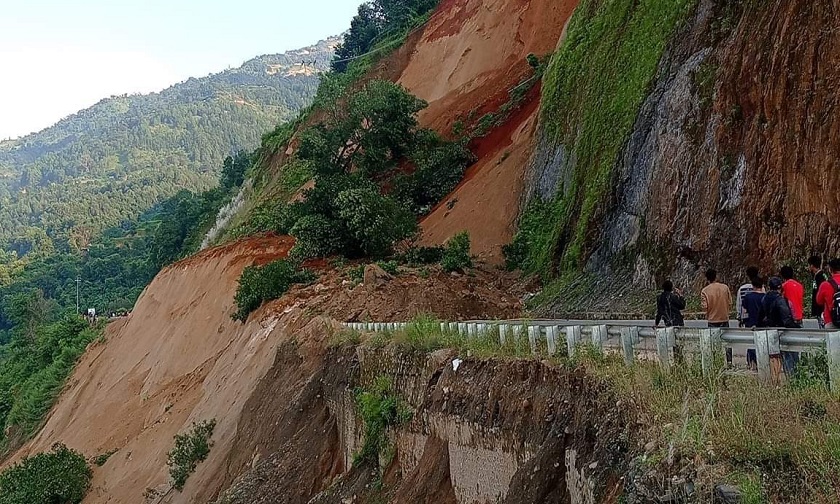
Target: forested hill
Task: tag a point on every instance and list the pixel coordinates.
(119, 157)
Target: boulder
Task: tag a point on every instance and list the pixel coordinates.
(375, 276)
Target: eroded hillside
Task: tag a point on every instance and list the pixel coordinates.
(180, 358)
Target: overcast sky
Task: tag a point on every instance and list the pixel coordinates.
(59, 56)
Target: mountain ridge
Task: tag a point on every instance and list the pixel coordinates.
(115, 159)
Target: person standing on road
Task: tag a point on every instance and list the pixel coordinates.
(826, 295)
(819, 276)
(669, 306)
(752, 307)
(740, 314)
(794, 292)
(776, 312)
(716, 300)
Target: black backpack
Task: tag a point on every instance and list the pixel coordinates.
(835, 302)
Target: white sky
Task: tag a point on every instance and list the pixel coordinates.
(60, 56)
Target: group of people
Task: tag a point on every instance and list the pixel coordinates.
(778, 301)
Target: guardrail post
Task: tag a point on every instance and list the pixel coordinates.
(471, 329)
(572, 339)
(462, 328)
(599, 336)
(762, 355)
(503, 330)
(481, 330)
(706, 351)
(551, 333)
(832, 347)
(533, 337)
(665, 339)
(628, 336)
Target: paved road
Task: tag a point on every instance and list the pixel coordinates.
(808, 323)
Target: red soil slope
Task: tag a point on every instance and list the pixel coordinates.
(470, 55)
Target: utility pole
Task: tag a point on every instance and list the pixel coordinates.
(78, 281)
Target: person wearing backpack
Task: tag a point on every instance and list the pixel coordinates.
(775, 309)
(794, 292)
(828, 296)
(669, 306)
(819, 276)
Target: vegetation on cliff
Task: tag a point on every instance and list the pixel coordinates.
(374, 22)
(190, 449)
(35, 364)
(614, 46)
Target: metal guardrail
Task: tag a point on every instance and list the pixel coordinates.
(626, 338)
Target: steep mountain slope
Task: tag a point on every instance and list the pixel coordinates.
(477, 51)
(119, 157)
(718, 151)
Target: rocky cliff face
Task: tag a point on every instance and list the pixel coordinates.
(732, 156)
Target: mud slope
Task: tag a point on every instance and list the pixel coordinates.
(179, 358)
(471, 53)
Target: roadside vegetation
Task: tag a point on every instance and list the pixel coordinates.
(775, 443)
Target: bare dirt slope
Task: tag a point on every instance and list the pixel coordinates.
(179, 358)
(471, 54)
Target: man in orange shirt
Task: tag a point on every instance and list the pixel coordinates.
(825, 295)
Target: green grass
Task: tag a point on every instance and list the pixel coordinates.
(380, 409)
(593, 88)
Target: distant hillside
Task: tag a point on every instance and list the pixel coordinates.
(117, 158)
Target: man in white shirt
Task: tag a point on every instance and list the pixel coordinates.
(752, 274)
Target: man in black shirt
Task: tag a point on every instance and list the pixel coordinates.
(819, 276)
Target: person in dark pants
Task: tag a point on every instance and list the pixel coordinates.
(669, 306)
(752, 310)
(819, 276)
(716, 300)
(776, 312)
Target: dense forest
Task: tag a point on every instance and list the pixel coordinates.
(109, 163)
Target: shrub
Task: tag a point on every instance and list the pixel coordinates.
(100, 459)
(456, 256)
(379, 409)
(418, 256)
(390, 267)
(59, 476)
(516, 252)
(439, 167)
(263, 283)
(190, 449)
